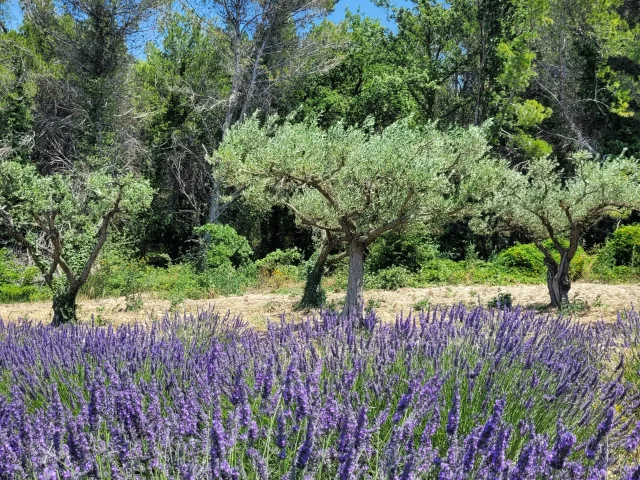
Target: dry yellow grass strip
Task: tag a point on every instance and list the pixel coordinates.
(603, 302)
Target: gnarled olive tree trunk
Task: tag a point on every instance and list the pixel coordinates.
(64, 307)
(354, 303)
(313, 295)
(558, 281)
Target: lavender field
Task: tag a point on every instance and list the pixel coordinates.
(448, 394)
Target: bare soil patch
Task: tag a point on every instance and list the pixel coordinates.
(602, 302)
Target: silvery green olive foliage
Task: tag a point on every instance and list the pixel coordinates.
(355, 182)
(63, 220)
(543, 202)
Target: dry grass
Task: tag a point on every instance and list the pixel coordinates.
(602, 301)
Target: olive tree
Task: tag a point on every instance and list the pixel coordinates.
(63, 221)
(356, 184)
(541, 201)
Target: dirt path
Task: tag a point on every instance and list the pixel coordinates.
(601, 301)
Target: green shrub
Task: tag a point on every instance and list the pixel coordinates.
(340, 277)
(622, 248)
(581, 265)
(9, 269)
(18, 282)
(527, 259)
(10, 293)
(391, 278)
(422, 305)
(177, 281)
(224, 246)
(502, 300)
(441, 271)
(575, 306)
(226, 280)
(372, 305)
(117, 273)
(12, 272)
(288, 272)
(401, 249)
(281, 260)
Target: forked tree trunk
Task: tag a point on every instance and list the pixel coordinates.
(354, 303)
(558, 282)
(314, 296)
(64, 307)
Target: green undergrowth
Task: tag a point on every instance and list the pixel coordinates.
(392, 263)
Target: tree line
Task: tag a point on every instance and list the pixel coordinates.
(505, 116)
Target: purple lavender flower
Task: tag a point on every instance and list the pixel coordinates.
(97, 396)
(218, 439)
(561, 449)
(201, 388)
(403, 404)
(281, 439)
(497, 455)
(78, 444)
(633, 473)
(492, 424)
(307, 446)
(470, 449)
(603, 429)
(633, 440)
(258, 463)
(535, 380)
(9, 462)
(453, 418)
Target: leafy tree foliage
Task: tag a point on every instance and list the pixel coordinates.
(63, 221)
(365, 82)
(225, 246)
(355, 184)
(82, 106)
(265, 44)
(543, 201)
(181, 88)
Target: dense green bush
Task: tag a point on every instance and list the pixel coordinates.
(179, 281)
(116, 273)
(391, 278)
(502, 300)
(9, 272)
(527, 259)
(224, 246)
(410, 250)
(13, 272)
(18, 283)
(280, 260)
(622, 248)
(524, 257)
(10, 293)
(227, 280)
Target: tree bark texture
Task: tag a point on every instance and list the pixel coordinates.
(314, 296)
(64, 307)
(559, 282)
(354, 303)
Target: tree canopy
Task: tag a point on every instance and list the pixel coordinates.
(356, 183)
(63, 222)
(543, 201)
